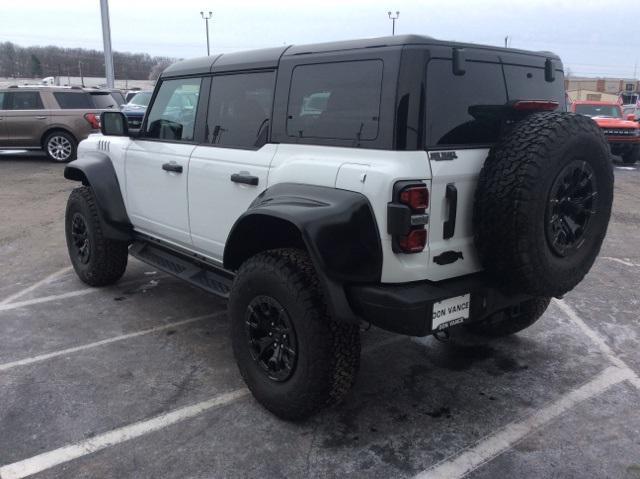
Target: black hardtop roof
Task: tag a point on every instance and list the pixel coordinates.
(269, 57)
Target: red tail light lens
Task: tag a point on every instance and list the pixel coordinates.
(535, 105)
(414, 242)
(93, 119)
(416, 197)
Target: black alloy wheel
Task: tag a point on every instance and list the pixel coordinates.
(80, 236)
(571, 207)
(272, 339)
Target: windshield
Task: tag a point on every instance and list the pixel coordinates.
(141, 99)
(601, 111)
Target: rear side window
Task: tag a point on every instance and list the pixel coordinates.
(69, 100)
(1, 100)
(103, 100)
(23, 100)
(173, 112)
(458, 107)
(239, 109)
(335, 100)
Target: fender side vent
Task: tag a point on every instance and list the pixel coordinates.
(448, 257)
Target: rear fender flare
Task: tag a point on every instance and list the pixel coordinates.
(337, 228)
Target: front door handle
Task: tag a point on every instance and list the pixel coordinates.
(173, 167)
(244, 177)
(449, 227)
(41, 117)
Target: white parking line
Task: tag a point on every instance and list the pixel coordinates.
(62, 352)
(36, 285)
(618, 260)
(47, 460)
(595, 337)
(70, 294)
(496, 443)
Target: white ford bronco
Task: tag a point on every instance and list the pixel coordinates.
(405, 182)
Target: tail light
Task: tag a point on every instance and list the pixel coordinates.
(535, 105)
(407, 217)
(93, 119)
(416, 197)
(414, 242)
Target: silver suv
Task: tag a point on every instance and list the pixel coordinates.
(53, 119)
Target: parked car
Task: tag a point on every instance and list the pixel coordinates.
(134, 110)
(53, 119)
(622, 132)
(130, 94)
(321, 187)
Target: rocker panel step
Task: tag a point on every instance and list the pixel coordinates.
(208, 277)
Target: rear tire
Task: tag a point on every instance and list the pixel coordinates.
(511, 320)
(632, 155)
(294, 358)
(98, 261)
(60, 146)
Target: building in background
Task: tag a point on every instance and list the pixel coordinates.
(599, 89)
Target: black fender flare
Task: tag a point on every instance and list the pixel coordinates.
(337, 228)
(95, 169)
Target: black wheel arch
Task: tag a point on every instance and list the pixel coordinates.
(95, 169)
(336, 227)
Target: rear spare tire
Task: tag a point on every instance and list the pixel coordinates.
(543, 203)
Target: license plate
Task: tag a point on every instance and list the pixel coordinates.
(450, 311)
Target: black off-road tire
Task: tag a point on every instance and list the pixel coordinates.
(107, 259)
(632, 155)
(515, 193)
(328, 352)
(511, 320)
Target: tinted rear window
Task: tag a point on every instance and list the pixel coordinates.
(103, 100)
(528, 83)
(335, 100)
(71, 100)
(461, 109)
(455, 114)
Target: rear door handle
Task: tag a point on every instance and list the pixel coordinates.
(244, 177)
(174, 167)
(449, 227)
(41, 117)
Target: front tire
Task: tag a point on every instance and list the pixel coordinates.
(294, 358)
(60, 147)
(511, 320)
(98, 261)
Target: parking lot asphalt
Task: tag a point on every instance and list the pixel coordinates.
(138, 379)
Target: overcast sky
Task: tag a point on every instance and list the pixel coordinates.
(592, 37)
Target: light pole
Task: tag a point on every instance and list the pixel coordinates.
(106, 38)
(393, 20)
(206, 19)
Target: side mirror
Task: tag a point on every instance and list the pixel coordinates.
(113, 123)
(631, 117)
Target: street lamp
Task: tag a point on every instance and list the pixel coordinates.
(393, 19)
(206, 19)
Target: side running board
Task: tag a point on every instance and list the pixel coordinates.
(206, 276)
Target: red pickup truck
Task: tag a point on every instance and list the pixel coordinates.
(622, 133)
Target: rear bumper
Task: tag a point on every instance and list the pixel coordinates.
(408, 308)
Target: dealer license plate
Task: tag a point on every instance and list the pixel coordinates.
(450, 311)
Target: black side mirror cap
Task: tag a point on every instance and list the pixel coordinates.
(114, 123)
